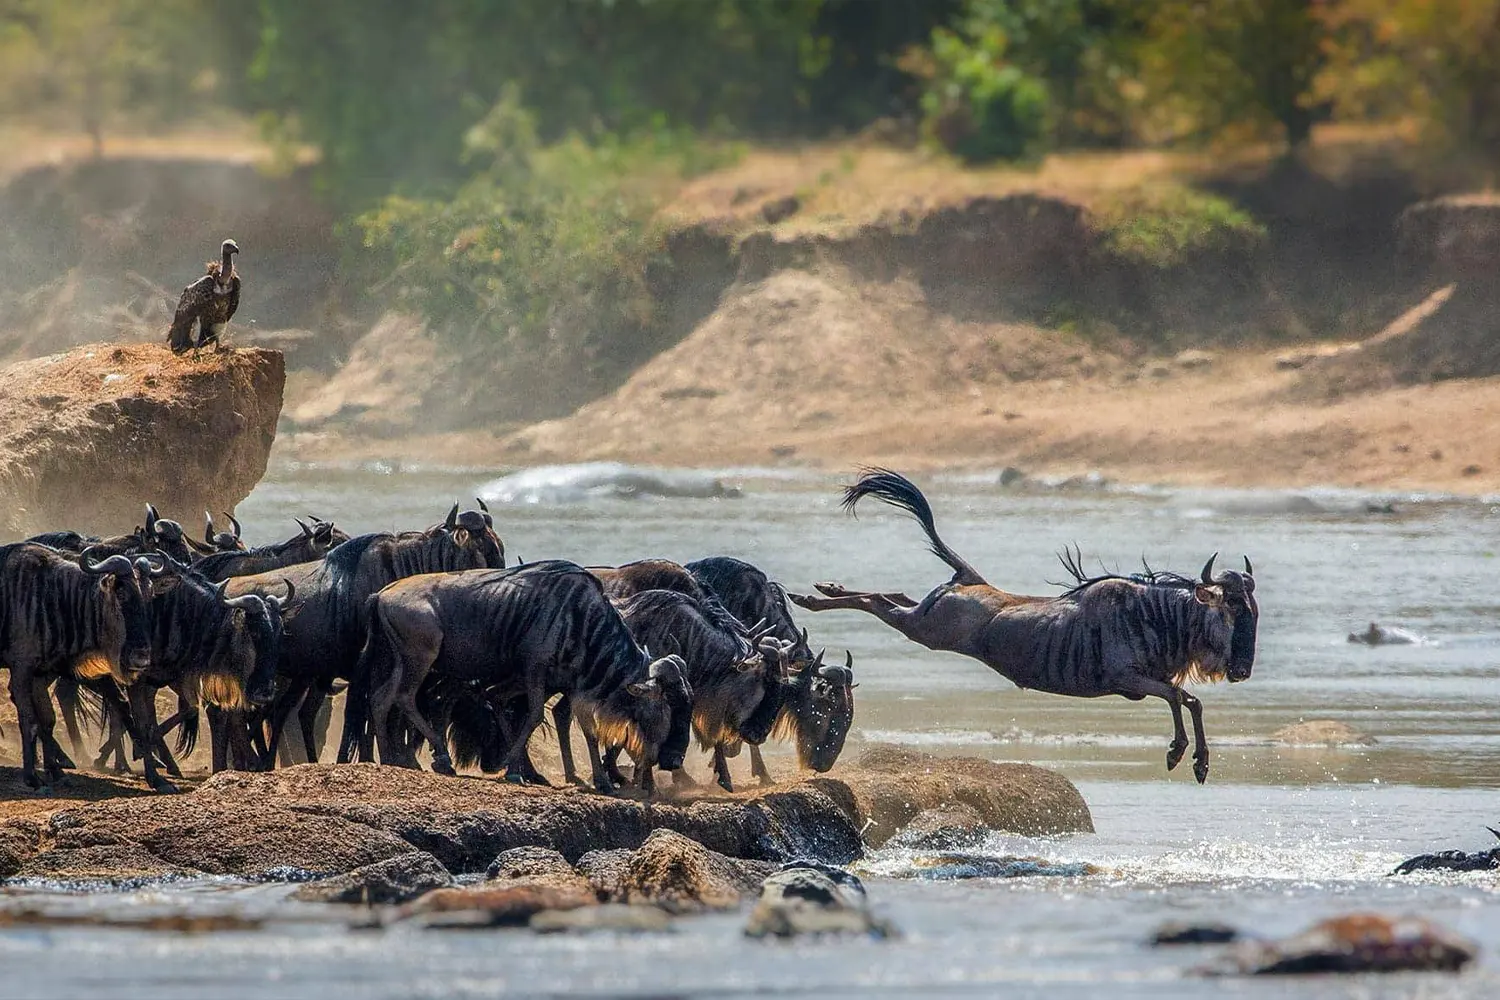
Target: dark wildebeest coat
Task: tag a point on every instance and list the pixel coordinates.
(818, 704)
(57, 618)
(309, 545)
(323, 643)
(737, 680)
(1110, 635)
(530, 633)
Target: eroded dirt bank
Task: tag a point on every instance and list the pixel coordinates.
(329, 819)
(88, 437)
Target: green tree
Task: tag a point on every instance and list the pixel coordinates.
(1222, 63)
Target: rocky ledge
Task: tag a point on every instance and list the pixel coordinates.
(88, 436)
(321, 820)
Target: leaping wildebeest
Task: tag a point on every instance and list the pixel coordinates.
(1128, 636)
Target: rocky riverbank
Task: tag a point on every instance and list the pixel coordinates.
(320, 820)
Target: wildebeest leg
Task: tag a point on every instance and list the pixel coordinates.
(647, 779)
(46, 724)
(517, 763)
(612, 767)
(681, 779)
(1136, 686)
(721, 768)
(601, 776)
(143, 710)
(308, 713)
(893, 609)
(281, 710)
(562, 719)
(218, 737)
(1200, 742)
(20, 695)
(67, 700)
(758, 767)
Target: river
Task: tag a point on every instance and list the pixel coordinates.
(1278, 838)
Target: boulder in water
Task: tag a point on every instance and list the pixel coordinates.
(683, 876)
(803, 899)
(491, 905)
(947, 828)
(1359, 942)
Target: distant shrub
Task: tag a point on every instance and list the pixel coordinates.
(1162, 225)
(544, 251)
(974, 103)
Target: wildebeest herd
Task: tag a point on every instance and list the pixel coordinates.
(437, 644)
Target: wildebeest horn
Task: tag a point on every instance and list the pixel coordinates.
(291, 591)
(1248, 570)
(804, 637)
(488, 520)
(160, 568)
(243, 601)
(222, 587)
(151, 518)
(1208, 569)
(452, 521)
(836, 675)
(849, 661)
(236, 522)
(818, 660)
(208, 527)
(117, 565)
(305, 529)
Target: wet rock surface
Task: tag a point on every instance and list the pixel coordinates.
(396, 880)
(804, 900)
(490, 905)
(948, 828)
(1361, 942)
(614, 917)
(892, 785)
(683, 876)
(314, 821)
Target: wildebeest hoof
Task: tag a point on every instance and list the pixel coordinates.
(165, 787)
(831, 589)
(515, 779)
(443, 765)
(1200, 767)
(1174, 754)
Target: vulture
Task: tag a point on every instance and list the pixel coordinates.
(207, 303)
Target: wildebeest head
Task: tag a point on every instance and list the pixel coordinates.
(166, 536)
(818, 711)
(260, 634)
(663, 713)
(222, 541)
(120, 581)
(473, 532)
(320, 536)
(1232, 595)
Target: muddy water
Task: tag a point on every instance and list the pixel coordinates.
(1278, 838)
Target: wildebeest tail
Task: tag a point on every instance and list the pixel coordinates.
(898, 491)
(377, 657)
(77, 703)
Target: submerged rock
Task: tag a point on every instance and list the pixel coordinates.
(1453, 861)
(947, 828)
(801, 900)
(491, 906)
(944, 867)
(1320, 733)
(112, 863)
(1182, 934)
(395, 880)
(615, 917)
(1360, 942)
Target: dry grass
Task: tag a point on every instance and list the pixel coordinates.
(25, 146)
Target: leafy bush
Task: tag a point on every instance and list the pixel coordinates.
(1163, 225)
(543, 252)
(976, 104)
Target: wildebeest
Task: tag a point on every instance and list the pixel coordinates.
(324, 642)
(308, 545)
(223, 541)
(167, 537)
(818, 702)
(1132, 637)
(1453, 861)
(633, 578)
(738, 678)
(56, 616)
(527, 634)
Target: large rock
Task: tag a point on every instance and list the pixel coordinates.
(801, 900)
(681, 875)
(1359, 942)
(893, 785)
(88, 437)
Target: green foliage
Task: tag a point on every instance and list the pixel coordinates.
(1222, 63)
(544, 251)
(1012, 76)
(1164, 225)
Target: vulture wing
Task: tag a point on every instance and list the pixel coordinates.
(234, 296)
(195, 299)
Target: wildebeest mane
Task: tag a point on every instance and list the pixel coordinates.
(1072, 560)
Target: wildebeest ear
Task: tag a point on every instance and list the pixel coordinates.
(644, 689)
(461, 536)
(1211, 596)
